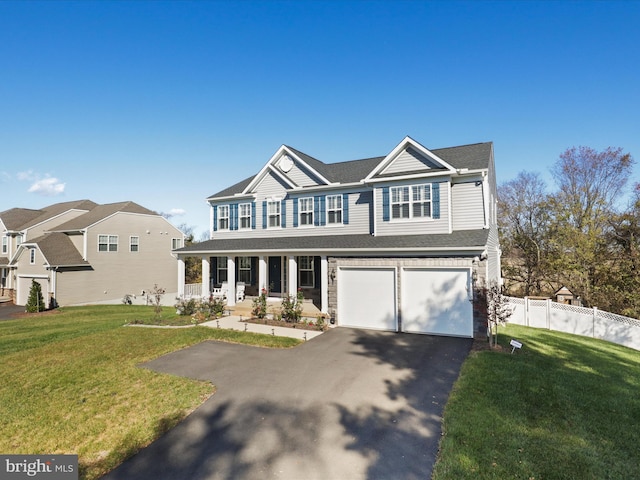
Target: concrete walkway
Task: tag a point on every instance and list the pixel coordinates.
(234, 322)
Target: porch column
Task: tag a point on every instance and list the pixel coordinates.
(292, 275)
(206, 277)
(181, 277)
(262, 273)
(231, 279)
(324, 284)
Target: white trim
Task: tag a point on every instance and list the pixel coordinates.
(324, 284)
(402, 146)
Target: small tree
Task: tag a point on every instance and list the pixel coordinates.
(156, 299)
(35, 303)
(498, 311)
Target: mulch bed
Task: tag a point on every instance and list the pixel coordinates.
(282, 323)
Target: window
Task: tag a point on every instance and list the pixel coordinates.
(400, 202)
(5, 244)
(334, 209)
(223, 217)
(421, 201)
(306, 211)
(107, 243)
(273, 213)
(32, 256)
(134, 244)
(222, 269)
(176, 243)
(305, 269)
(244, 270)
(411, 202)
(245, 215)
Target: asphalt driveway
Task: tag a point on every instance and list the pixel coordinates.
(350, 404)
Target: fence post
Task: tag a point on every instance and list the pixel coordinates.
(526, 311)
(593, 327)
(548, 314)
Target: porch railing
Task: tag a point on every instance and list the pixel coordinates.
(193, 290)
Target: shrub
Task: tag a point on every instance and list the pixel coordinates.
(156, 299)
(35, 303)
(292, 307)
(186, 306)
(259, 305)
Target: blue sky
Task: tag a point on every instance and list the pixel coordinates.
(165, 103)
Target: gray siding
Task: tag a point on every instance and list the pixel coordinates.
(301, 177)
(270, 186)
(409, 161)
(360, 209)
(467, 206)
(414, 226)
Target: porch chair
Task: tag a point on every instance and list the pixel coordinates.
(221, 291)
(240, 291)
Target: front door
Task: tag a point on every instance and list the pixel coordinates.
(275, 275)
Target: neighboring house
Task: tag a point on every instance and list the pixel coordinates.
(392, 243)
(81, 252)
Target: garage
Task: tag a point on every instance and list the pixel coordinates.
(437, 301)
(24, 287)
(367, 298)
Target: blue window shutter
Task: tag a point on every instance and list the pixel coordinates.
(215, 218)
(295, 212)
(264, 214)
(316, 211)
(253, 215)
(283, 213)
(233, 213)
(385, 204)
(323, 210)
(345, 208)
(435, 193)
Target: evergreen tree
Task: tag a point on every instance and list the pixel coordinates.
(35, 303)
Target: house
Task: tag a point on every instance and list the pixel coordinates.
(82, 252)
(396, 242)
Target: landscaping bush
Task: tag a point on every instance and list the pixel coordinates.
(260, 305)
(35, 303)
(292, 307)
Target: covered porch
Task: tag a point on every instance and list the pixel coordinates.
(277, 275)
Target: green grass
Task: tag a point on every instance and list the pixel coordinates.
(564, 407)
(70, 383)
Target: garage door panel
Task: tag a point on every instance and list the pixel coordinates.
(367, 298)
(436, 301)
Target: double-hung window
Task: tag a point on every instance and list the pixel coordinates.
(334, 209)
(222, 269)
(400, 204)
(245, 215)
(421, 201)
(176, 243)
(273, 213)
(305, 267)
(306, 211)
(411, 201)
(134, 244)
(244, 270)
(107, 243)
(5, 244)
(223, 217)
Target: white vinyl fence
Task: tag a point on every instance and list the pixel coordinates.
(589, 322)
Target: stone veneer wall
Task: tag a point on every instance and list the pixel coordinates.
(479, 269)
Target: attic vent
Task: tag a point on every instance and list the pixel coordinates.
(285, 163)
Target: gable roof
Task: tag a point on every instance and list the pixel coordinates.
(472, 156)
(58, 250)
(22, 218)
(100, 212)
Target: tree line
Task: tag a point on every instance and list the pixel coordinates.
(584, 234)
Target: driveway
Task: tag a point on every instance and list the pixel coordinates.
(349, 404)
(8, 310)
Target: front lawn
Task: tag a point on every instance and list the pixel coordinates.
(565, 407)
(70, 383)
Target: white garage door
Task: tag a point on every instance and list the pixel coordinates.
(367, 298)
(437, 301)
(24, 287)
